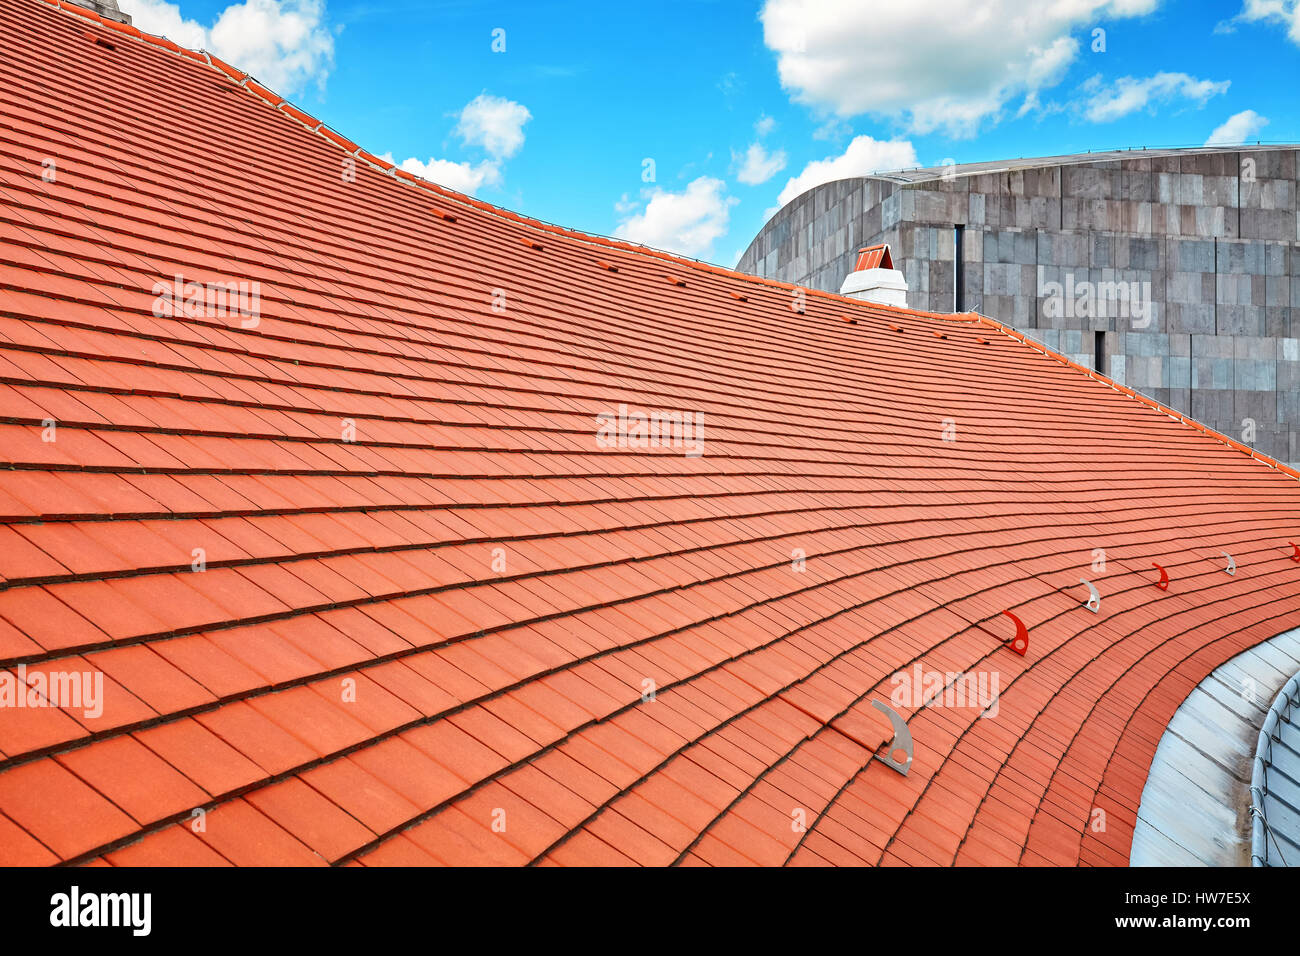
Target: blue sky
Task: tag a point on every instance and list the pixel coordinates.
(742, 105)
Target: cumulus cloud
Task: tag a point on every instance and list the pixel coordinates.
(494, 123)
(864, 155)
(1107, 102)
(465, 178)
(1237, 129)
(284, 44)
(757, 165)
(687, 222)
(1283, 12)
(165, 20)
(932, 64)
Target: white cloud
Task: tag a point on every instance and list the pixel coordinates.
(491, 122)
(1129, 94)
(932, 64)
(764, 126)
(757, 165)
(1237, 129)
(284, 44)
(495, 123)
(165, 20)
(864, 155)
(463, 177)
(1285, 12)
(687, 222)
(1048, 66)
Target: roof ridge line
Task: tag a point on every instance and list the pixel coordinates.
(1135, 394)
(312, 124)
(1088, 155)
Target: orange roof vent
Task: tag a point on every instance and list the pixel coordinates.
(874, 257)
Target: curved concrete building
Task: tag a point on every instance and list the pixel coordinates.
(1175, 272)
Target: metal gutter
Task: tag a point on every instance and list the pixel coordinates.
(1275, 783)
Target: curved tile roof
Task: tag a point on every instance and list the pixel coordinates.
(383, 570)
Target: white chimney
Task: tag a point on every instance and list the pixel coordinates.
(874, 278)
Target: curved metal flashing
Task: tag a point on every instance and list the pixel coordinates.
(1194, 809)
(1275, 783)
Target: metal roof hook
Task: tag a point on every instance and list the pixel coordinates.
(1019, 643)
(902, 742)
(1296, 551)
(1232, 563)
(1163, 583)
(1093, 603)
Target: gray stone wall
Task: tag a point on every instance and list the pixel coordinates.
(1211, 238)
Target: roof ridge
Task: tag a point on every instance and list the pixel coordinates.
(250, 83)
(901, 173)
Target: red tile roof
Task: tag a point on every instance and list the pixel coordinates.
(364, 586)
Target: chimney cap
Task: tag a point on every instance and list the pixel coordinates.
(874, 279)
(874, 257)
